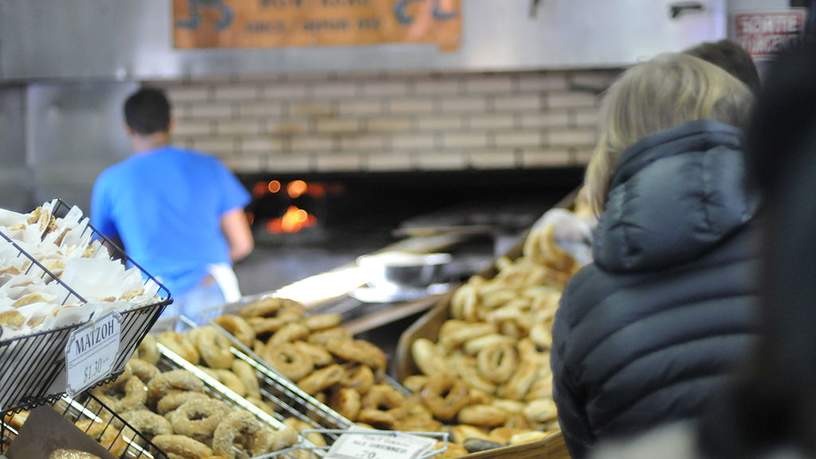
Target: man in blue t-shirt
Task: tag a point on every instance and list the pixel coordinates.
(179, 213)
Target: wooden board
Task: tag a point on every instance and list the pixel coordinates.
(388, 315)
(552, 447)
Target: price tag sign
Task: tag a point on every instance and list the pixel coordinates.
(362, 446)
(91, 351)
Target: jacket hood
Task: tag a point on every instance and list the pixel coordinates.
(675, 195)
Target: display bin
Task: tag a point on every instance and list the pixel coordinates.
(171, 361)
(428, 326)
(98, 421)
(277, 389)
(32, 367)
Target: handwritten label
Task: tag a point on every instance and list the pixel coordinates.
(91, 352)
(397, 446)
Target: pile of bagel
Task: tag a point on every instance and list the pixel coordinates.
(174, 410)
(210, 350)
(324, 360)
(488, 369)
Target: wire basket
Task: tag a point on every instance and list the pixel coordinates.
(278, 389)
(32, 366)
(98, 421)
(172, 361)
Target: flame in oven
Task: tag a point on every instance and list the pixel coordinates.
(293, 220)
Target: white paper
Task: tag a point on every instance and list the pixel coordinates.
(379, 446)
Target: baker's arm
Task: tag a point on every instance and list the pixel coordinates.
(235, 226)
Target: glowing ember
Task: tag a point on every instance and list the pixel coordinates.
(296, 188)
(292, 221)
(259, 189)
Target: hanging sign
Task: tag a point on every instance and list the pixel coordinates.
(761, 33)
(285, 23)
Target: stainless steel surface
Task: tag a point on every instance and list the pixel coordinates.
(397, 295)
(131, 40)
(16, 191)
(395, 270)
(74, 131)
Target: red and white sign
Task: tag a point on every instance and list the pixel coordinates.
(762, 33)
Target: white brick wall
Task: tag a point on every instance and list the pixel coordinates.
(543, 120)
(186, 94)
(392, 122)
(529, 138)
(334, 89)
(364, 143)
(465, 140)
(384, 88)
(362, 106)
(278, 90)
(447, 161)
(187, 127)
(316, 144)
(337, 125)
(525, 102)
(542, 82)
(413, 141)
(411, 105)
(438, 86)
(441, 122)
(265, 109)
(237, 127)
(545, 158)
(260, 145)
(340, 162)
(236, 93)
(209, 110)
(493, 159)
(491, 122)
(572, 137)
(464, 104)
(493, 84)
(571, 100)
(391, 162)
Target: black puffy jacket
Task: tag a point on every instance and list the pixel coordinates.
(647, 333)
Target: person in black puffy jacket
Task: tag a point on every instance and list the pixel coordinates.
(648, 331)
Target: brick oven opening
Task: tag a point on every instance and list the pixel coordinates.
(312, 222)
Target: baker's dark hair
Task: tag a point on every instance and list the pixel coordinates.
(147, 111)
(730, 57)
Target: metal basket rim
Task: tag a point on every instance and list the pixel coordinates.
(9, 341)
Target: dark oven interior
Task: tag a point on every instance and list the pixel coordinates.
(309, 223)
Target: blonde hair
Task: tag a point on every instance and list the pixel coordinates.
(662, 93)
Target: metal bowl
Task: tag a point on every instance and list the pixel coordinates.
(401, 269)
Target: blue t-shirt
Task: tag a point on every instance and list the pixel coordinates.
(165, 206)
